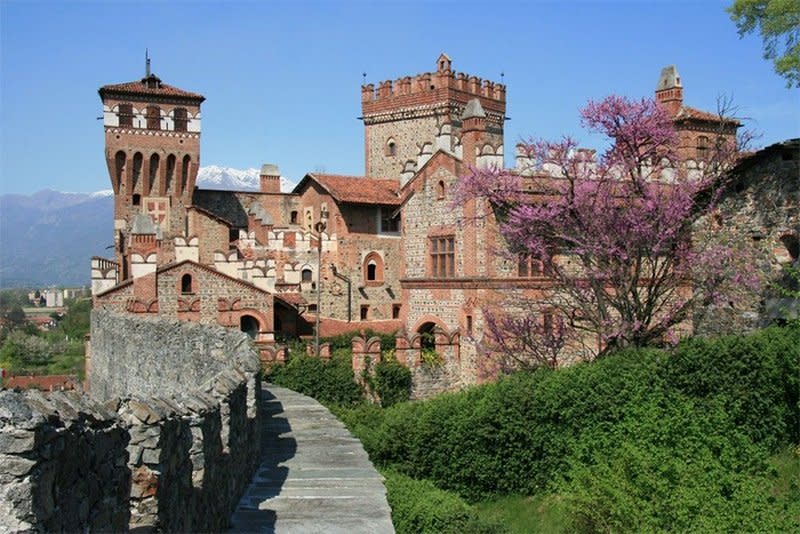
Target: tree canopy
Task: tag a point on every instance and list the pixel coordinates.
(778, 22)
(613, 233)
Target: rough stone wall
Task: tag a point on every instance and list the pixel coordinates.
(153, 357)
(171, 453)
(409, 135)
(62, 464)
(759, 215)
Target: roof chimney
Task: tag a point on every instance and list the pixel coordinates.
(270, 178)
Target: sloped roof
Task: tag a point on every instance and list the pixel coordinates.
(687, 112)
(149, 86)
(356, 189)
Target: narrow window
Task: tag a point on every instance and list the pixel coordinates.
(119, 167)
(293, 217)
(186, 283)
(185, 172)
(306, 275)
(137, 170)
(391, 148)
(702, 148)
(153, 118)
(137, 199)
(396, 311)
(364, 312)
(180, 118)
(442, 256)
(529, 266)
(126, 115)
(440, 190)
(154, 162)
(170, 173)
(371, 271)
(469, 325)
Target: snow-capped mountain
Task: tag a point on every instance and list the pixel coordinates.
(48, 237)
(230, 179)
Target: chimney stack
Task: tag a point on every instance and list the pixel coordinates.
(270, 178)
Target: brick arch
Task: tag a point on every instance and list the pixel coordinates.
(372, 269)
(430, 319)
(259, 317)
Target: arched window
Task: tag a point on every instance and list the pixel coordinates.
(119, 167)
(249, 325)
(186, 283)
(391, 147)
(293, 217)
(306, 275)
(153, 118)
(137, 170)
(181, 120)
(154, 162)
(170, 173)
(185, 172)
(126, 115)
(440, 190)
(373, 269)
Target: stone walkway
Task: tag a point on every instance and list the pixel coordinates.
(314, 476)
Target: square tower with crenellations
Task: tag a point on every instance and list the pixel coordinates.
(408, 119)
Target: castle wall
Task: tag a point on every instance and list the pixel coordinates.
(173, 450)
(759, 215)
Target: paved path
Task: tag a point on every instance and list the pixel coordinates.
(314, 476)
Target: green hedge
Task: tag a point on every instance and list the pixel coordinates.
(640, 440)
(330, 382)
(392, 382)
(419, 507)
(756, 377)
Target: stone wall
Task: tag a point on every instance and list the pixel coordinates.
(62, 464)
(171, 445)
(153, 357)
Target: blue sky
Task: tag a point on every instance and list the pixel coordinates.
(282, 79)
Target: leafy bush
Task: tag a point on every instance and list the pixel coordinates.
(419, 507)
(756, 377)
(327, 381)
(392, 382)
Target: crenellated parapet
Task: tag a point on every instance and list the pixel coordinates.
(430, 90)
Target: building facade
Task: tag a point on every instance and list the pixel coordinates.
(387, 251)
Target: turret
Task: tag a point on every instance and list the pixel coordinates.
(669, 91)
(152, 148)
(412, 116)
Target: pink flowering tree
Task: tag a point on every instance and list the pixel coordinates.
(613, 234)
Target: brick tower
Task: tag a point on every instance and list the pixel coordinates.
(408, 119)
(697, 130)
(152, 135)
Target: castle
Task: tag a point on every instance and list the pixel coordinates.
(385, 251)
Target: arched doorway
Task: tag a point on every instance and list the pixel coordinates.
(249, 325)
(427, 336)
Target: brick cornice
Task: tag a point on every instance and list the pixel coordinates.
(476, 283)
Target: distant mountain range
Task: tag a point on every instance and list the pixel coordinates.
(48, 238)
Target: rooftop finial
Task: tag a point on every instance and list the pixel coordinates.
(146, 63)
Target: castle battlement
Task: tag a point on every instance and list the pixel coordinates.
(442, 86)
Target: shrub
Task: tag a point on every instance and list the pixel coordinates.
(757, 377)
(420, 507)
(328, 382)
(392, 381)
(674, 467)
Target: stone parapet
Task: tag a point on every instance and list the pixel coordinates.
(174, 456)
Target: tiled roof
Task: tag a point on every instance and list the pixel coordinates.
(360, 189)
(141, 87)
(687, 112)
